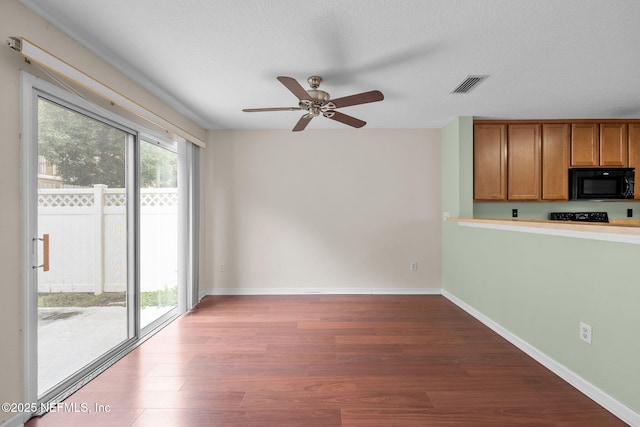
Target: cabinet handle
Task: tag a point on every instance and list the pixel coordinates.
(45, 252)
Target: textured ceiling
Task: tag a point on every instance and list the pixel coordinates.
(210, 59)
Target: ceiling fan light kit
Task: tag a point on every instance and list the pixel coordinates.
(318, 102)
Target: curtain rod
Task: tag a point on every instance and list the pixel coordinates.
(51, 62)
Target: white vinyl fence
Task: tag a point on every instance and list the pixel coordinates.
(87, 230)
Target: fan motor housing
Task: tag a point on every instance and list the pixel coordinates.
(319, 95)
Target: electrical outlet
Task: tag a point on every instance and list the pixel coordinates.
(413, 266)
(585, 332)
(514, 213)
(629, 213)
(221, 267)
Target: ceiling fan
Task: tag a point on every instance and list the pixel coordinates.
(316, 102)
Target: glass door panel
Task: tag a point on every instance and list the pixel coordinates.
(158, 232)
(82, 211)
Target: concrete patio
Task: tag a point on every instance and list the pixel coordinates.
(70, 338)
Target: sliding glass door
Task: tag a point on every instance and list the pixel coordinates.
(107, 237)
(82, 222)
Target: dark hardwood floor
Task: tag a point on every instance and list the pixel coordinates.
(325, 361)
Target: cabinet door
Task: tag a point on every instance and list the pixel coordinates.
(556, 143)
(613, 144)
(489, 162)
(585, 150)
(634, 154)
(523, 162)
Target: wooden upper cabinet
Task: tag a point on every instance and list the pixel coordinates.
(585, 147)
(604, 144)
(634, 153)
(490, 162)
(530, 160)
(556, 147)
(614, 144)
(523, 162)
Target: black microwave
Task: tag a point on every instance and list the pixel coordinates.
(601, 183)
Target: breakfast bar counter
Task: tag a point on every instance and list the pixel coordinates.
(624, 231)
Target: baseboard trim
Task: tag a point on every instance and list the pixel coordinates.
(327, 291)
(17, 420)
(612, 405)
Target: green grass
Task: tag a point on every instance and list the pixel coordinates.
(81, 299)
(167, 297)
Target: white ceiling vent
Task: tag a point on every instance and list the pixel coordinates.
(469, 84)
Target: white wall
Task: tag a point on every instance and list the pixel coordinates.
(330, 211)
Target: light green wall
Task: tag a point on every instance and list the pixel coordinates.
(456, 157)
(540, 287)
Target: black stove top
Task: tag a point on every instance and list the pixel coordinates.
(579, 216)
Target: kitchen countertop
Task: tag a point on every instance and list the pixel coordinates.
(613, 226)
(626, 231)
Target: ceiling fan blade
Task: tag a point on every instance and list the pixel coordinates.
(343, 118)
(295, 87)
(258, 110)
(360, 98)
(302, 123)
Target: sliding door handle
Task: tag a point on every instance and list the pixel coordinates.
(45, 252)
